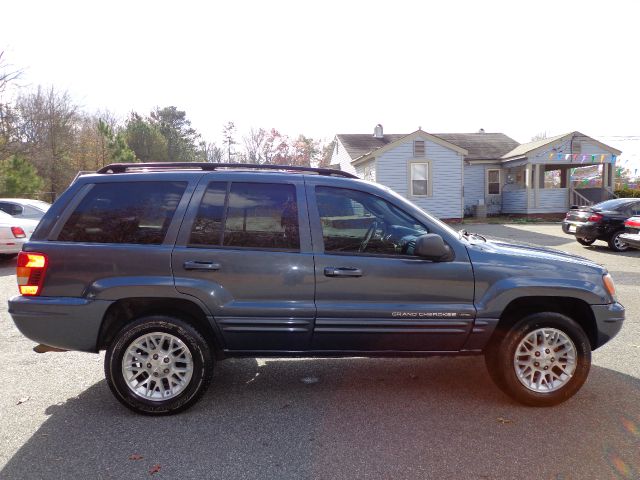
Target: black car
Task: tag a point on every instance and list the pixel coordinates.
(603, 221)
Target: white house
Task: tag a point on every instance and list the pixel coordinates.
(448, 174)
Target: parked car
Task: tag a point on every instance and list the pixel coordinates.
(171, 267)
(24, 207)
(602, 221)
(14, 232)
(631, 235)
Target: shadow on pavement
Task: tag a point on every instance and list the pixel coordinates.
(345, 418)
(7, 266)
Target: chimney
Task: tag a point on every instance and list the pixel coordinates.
(481, 130)
(377, 132)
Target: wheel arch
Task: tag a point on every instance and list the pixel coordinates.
(126, 310)
(574, 308)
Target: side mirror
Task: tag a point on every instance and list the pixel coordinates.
(432, 247)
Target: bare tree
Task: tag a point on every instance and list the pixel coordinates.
(539, 136)
(48, 121)
(254, 145)
(8, 74)
(211, 152)
(228, 132)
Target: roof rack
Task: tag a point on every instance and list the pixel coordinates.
(160, 166)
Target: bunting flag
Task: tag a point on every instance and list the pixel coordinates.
(575, 157)
(559, 156)
(602, 158)
(593, 158)
(613, 159)
(567, 156)
(551, 156)
(584, 157)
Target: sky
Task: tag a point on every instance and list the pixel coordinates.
(327, 67)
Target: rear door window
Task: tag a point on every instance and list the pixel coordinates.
(251, 215)
(131, 212)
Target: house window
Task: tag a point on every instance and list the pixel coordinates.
(418, 148)
(493, 182)
(420, 180)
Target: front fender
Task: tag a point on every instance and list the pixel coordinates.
(495, 299)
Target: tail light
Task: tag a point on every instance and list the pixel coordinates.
(18, 232)
(30, 272)
(633, 222)
(595, 218)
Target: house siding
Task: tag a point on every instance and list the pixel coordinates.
(473, 185)
(360, 168)
(514, 201)
(475, 188)
(342, 159)
(550, 200)
(392, 170)
(564, 147)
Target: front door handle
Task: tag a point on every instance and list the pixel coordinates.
(342, 272)
(198, 265)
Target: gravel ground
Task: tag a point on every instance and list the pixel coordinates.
(435, 418)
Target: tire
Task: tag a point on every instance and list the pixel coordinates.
(616, 244)
(183, 365)
(521, 379)
(586, 242)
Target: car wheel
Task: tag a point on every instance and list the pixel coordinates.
(616, 244)
(584, 241)
(158, 365)
(542, 360)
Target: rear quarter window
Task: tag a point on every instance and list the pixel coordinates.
(135, 212)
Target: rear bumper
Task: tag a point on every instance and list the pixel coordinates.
(11, 247)
(584, 230)
(609, 319)
(64, 322)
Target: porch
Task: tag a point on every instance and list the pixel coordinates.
(552, 188)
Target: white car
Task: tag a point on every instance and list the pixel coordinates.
(24, 207)
(14, 232)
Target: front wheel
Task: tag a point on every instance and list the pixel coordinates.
(542, 360)
(616, 244)
(158, 365)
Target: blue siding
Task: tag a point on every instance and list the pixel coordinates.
(550, 200)
(392, 170)
(474, 184)
(514, 201)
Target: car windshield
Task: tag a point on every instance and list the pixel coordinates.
(39, 204)
(612, 204)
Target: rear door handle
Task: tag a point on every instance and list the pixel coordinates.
(198, 265)
(342, 272)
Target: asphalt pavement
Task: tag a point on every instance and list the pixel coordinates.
(434, 418)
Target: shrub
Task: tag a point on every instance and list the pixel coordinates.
(628, 193)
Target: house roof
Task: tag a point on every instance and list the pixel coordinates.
(359, 144)
(478, 145)
(481, 146)
(526, 148)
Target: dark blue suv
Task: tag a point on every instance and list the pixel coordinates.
(172, 267)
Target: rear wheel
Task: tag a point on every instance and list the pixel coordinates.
(158, 365)
(542, 360)
(585, 241)
(616, 244)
